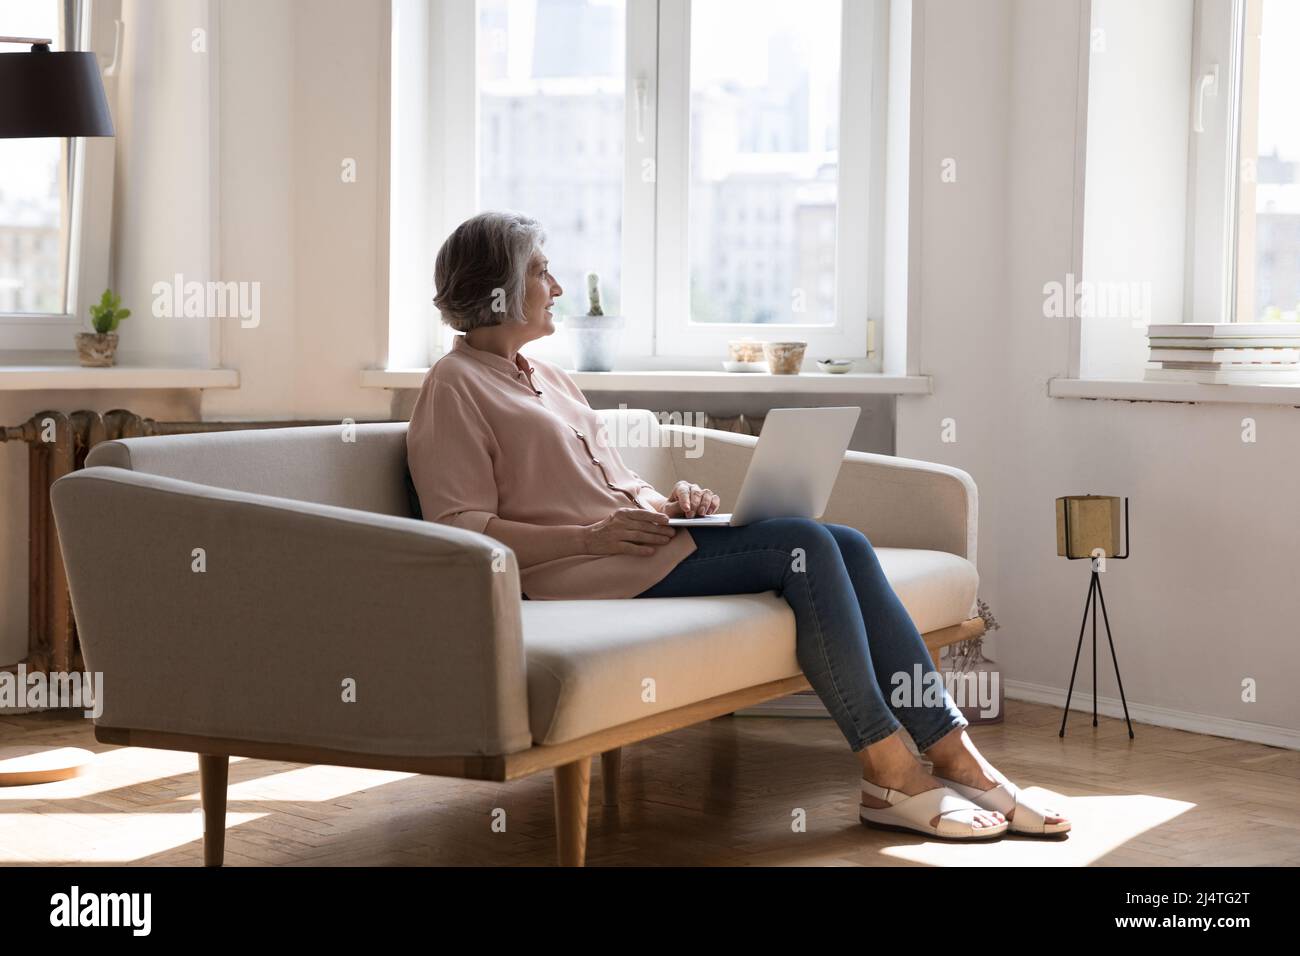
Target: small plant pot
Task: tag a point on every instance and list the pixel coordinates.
(747, 351)
(594, 341)
(97, 349)
(784, 358)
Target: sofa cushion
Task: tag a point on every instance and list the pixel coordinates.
(588, 661)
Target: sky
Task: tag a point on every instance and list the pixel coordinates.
(731, 35)
(1279, 79)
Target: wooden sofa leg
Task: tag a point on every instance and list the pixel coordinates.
(611, 761)
(214, 771)
(572, 789)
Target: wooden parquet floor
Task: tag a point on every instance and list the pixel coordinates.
(726, 792)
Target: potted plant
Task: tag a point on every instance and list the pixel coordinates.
(594, 336)
(99, 348)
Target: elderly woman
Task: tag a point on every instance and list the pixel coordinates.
(509, 447)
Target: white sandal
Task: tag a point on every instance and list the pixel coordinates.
(1025, 818)
(913, 813)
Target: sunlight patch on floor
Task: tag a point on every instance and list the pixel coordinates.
(1100, 825)
(117, 769)
(120, 837)
(131, 767)
(308, 784)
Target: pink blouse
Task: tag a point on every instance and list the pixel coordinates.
(518, 440)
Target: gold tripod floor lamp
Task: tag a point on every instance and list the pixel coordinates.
(1088, 526)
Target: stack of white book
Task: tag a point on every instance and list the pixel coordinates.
(1225, 353)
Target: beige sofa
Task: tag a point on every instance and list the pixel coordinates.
(233, 585)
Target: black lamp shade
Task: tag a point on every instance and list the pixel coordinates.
(52, 94)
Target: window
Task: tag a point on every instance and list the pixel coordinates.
(764, 127)
(710, 159)
(1268, 260)
(56, 198)
(35, 192)
(1245, 163)
(550, 77)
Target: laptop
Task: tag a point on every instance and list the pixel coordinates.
(793, 468)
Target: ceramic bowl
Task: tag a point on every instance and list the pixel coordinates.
(835, 366)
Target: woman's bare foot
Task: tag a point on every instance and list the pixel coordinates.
(955, 757)
(889, 764)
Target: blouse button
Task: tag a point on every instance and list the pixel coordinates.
(595, 461)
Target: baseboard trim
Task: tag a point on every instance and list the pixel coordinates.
(1268, 734)
(807, 704)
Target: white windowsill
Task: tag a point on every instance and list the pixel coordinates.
(32, 372)
(849, 383)
(1132, 390)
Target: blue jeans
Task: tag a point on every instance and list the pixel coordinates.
(852, 632)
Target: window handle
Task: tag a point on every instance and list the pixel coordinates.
(1207, 86)
(115, 64)
(639, 98)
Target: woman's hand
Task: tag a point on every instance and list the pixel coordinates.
(628, 531)
(687, 500)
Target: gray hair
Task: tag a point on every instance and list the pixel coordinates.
(480, 272)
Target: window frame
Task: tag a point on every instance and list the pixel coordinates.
(1221, 251)
(655, 276)
(1212, 290)
(90, 207)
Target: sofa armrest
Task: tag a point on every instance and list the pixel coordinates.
(256, 636)
(896, 502)
(905, 503)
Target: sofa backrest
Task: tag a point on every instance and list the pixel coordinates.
(641, 444)
(317, 463)
(309, 463)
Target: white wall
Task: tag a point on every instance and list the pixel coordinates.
(1211, 595)
(162, 218)
(302, 87)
